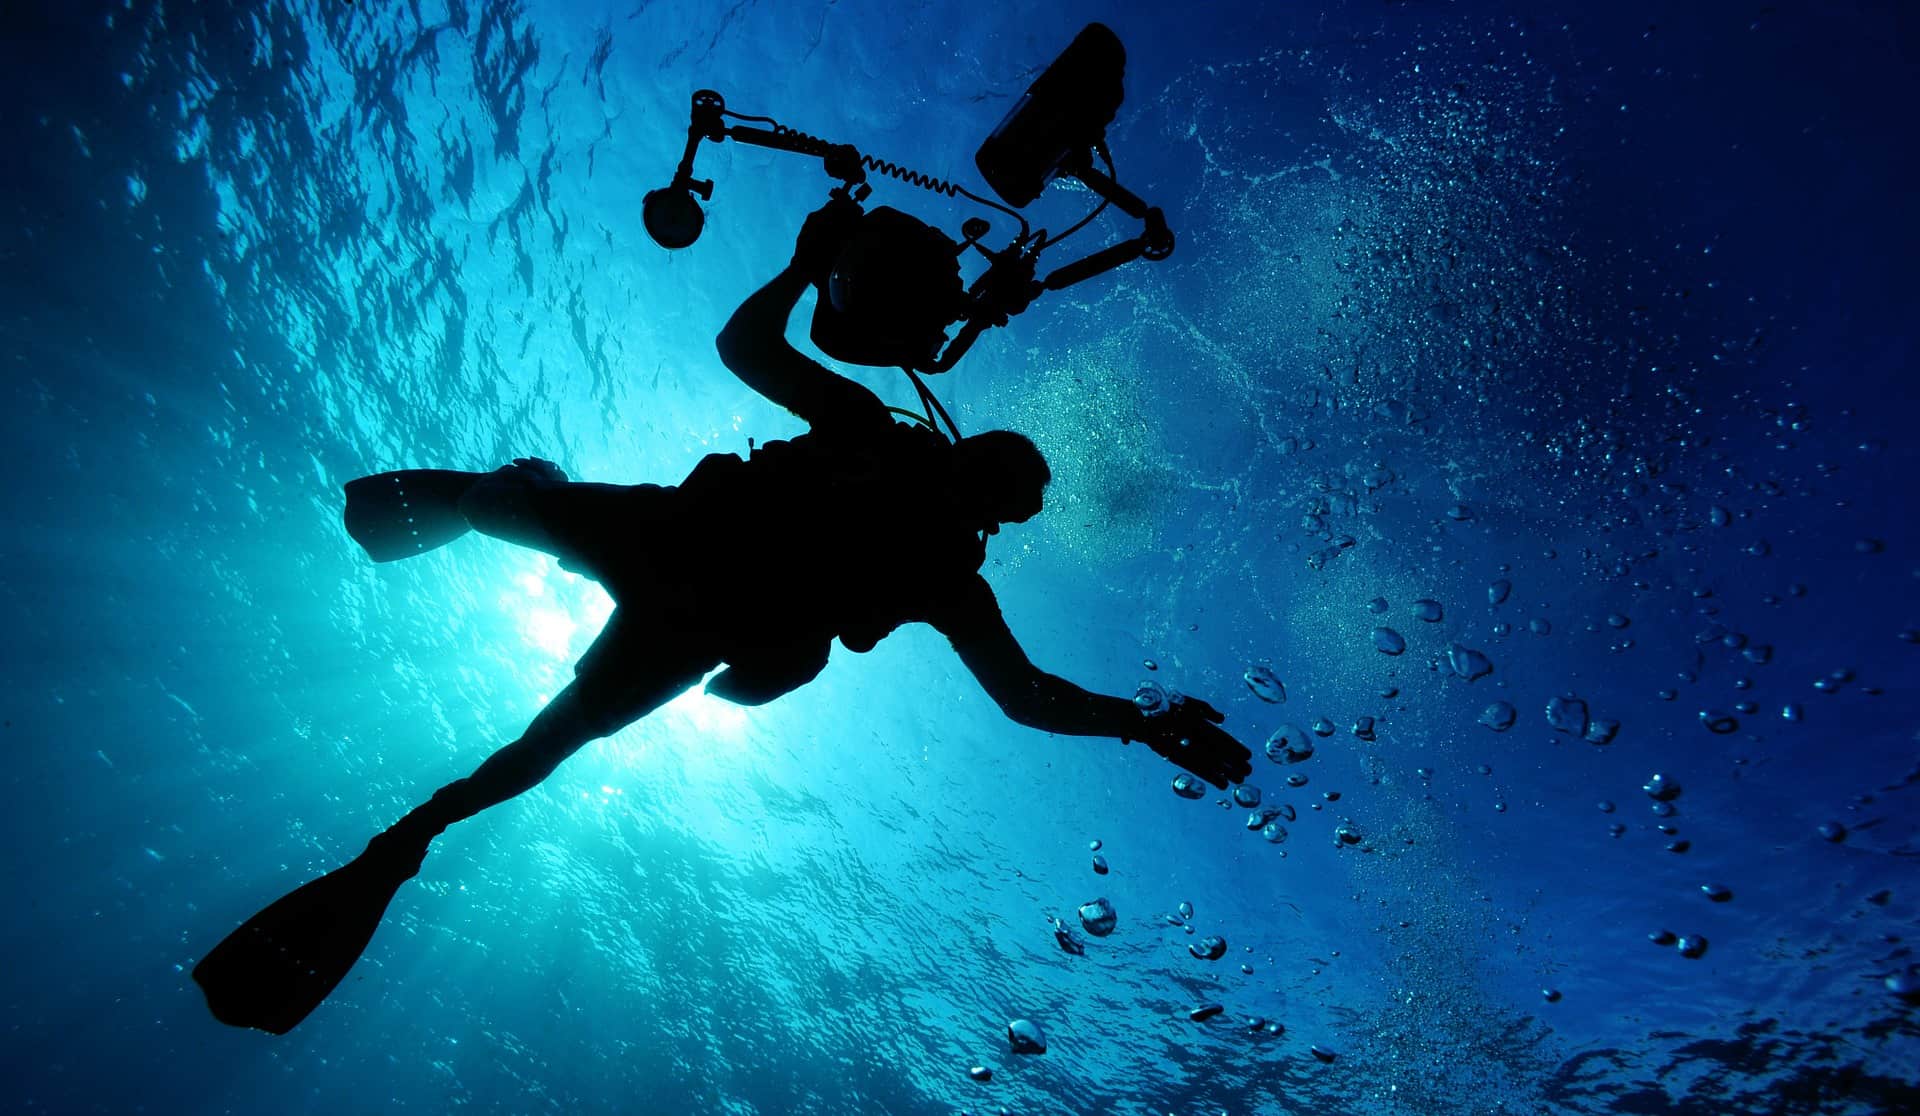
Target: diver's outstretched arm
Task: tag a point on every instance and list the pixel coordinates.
(1031, 696)
(1186, 736)
(754, 347)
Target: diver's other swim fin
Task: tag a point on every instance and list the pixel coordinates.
(398, 515)
(273, 971)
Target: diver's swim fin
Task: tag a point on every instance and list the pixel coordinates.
(401, 514)
(273, 971)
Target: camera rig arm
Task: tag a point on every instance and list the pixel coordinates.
(1053, 131)
(1008, 287)
(842, 161)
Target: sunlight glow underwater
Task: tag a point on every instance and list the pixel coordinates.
(1464, 297)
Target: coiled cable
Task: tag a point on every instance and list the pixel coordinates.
(814, 145)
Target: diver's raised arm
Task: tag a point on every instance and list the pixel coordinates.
(753, 345)
(1186, 736)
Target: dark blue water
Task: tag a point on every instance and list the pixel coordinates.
(1611, 303)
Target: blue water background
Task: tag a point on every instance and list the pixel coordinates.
(1586, 274)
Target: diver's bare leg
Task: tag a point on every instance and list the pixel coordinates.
(585, 711)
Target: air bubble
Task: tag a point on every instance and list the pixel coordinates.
(1568, 714)
(1265, 684)
(1098, 917)
(1468, 663)
(1025, 1037)
(1500, 716)
(1289, 744)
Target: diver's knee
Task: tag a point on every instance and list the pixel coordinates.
(567, 728)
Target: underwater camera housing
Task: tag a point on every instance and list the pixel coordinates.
(895, 289)
(891, 293)
(1066, 111)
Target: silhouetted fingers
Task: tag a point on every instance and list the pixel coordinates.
(1232, 761)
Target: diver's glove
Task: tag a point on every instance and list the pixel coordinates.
(826, 231)
(1185, 733)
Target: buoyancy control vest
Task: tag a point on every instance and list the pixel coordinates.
(817, 537)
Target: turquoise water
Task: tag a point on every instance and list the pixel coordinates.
(1612, 306)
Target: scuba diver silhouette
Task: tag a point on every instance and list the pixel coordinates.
(847, 531)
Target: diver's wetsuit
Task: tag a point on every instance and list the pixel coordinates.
(759, 562)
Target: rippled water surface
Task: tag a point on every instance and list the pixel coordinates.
(1517, 447)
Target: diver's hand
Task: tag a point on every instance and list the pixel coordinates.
(1187, 735)
(535, 470)
(825, 232)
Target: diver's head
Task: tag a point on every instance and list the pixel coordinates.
(1003, 473)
